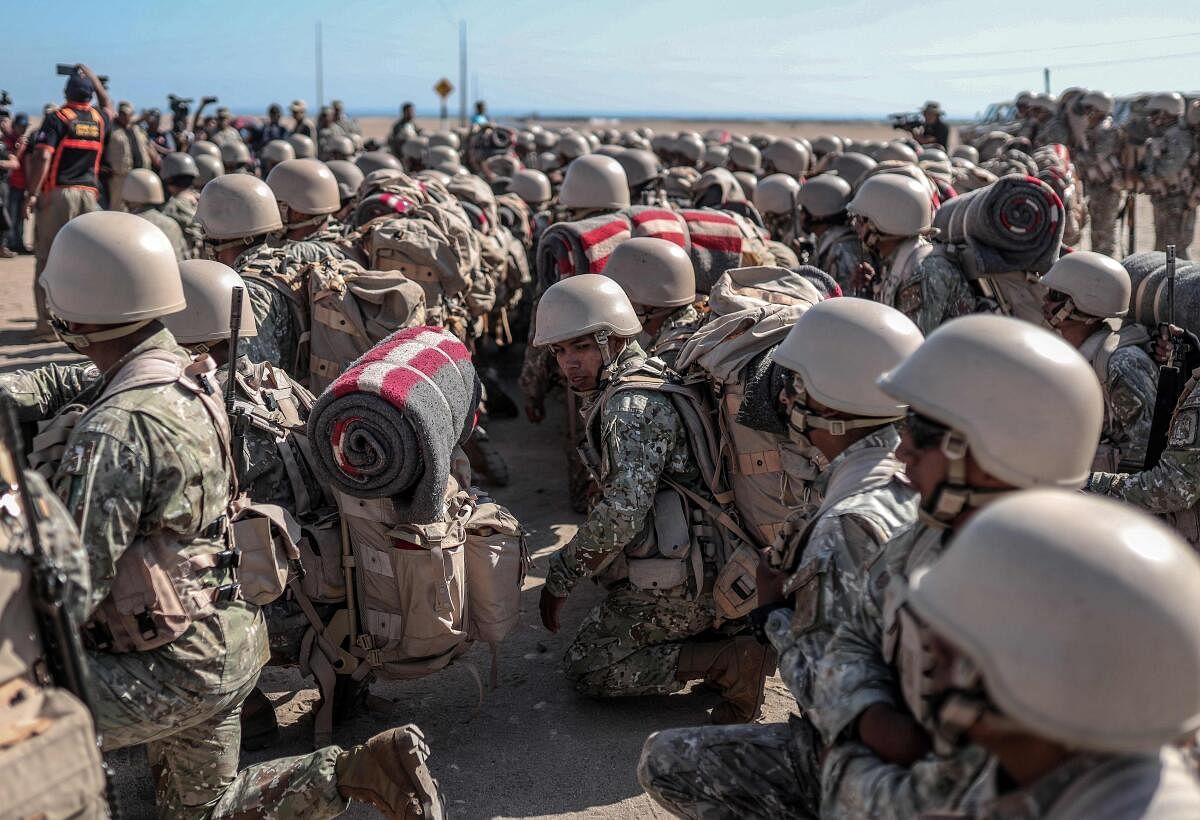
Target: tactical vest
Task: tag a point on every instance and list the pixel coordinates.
(156, 593)
(1098, 349)
(688, 536)
(271, 266)
(907, 258)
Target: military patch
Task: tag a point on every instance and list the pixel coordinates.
(1183, 429)
(807, 586)
(909, 301)
(78, 457)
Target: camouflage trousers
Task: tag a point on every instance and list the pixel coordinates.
(1174, 222)
(717, 772)
(1103, 203)
(193, 741)
(629, 643)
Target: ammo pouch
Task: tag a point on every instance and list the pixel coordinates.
(157, 592)
(320, 548)
(50, 443)
(679, 544)
(265, 537)
(735, 592)
(497, 559)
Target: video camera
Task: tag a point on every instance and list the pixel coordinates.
(5, 99)
(179, 108)
(67, 69)
(907, 121)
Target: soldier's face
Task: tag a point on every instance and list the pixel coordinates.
(580, 361)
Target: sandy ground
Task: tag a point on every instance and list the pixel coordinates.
(531, 748)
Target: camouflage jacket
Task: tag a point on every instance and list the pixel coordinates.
(643, 437)
(1130, 385)
(170, 229)
(1052, 131)
(839, 252)
(182, 208)
(834, 551)
(142, 462)
(1099, 160)
(1165, 167)
(930, 292)
(676, 330)
(1172, 485)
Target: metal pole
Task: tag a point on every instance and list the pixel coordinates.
(1046, 79)
(320, 70)
(462, 73)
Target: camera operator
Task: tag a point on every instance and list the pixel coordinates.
(14, 141)
(161, 140)
(934, 130)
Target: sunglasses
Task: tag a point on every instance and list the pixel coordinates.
(924, 432)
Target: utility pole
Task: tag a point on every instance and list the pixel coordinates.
(462, 73)
(320, 70)
(1046, 79)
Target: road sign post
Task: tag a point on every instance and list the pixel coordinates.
(443, 89)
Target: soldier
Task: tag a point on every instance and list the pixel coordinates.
(892, 213)
(660, 282)
(349, 179)
(1023, 665)
(1099, 161)
(274, 129)
(147, 476)
(126, 148)
(225, 132)
(964, 385)
(644, 175)
(143, 194)
(302, 146)
(786, 156)
(640, 639)
(179, 173)
(744, 157)
(1086, 289)
(839, 252)
(301, 124)
(308, 194)
(1166, 173)
(273, 153)
(235, 157)
(831, 399)
(775, 199)
(348, 125)
(533, 187)
(1041, 108)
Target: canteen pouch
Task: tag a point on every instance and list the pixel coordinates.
(736, 590)
(496, 561)
(264, 536)
(658, 574)
(671, 529)
(49, 762)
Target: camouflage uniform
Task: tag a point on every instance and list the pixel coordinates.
(1171, 488)
(170, 229)
(1166, 174)
(227, 135)
(1130, 383)
(930, 291)
(143, 462)
(854, 673)
(182, 208)
(839, 252)
(1053, 131)
(676, 330)
(774, 770)
(629, 643)
(1097, 785)
(1099, 162)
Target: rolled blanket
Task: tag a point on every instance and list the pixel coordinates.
(387, 426)
(659, 223)
(1014, 224)
(568, 248)
(716, 244)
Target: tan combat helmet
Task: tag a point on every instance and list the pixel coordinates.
(413, 149)
(374, 160)
(816, 347)
(178, 164)
(443, 158)
(532, 186)
(110, 268)
(715, 156)
(235, 155)
(276, 151)
(785, 156)
(594, 183)
(777, 195)
(850, 166)
(967, 152)
(748, 182)
(640, 166)
(349, 177)
(1095, 285)
(690, 147)
(446, 138)
(894, 205)
(340, 148)
(304, 188)
(237, 207)
(744, 157)
(824, 196)
(1016, 397)
(209, 168)
(653, 272)
(1193, 114)
(208, 288)
(302, 146)
(203, 147)
(1166, 102)
(572, 146)
(898, 151)
(826, 144)
(587, 304)
(1077, 618)
(1097, 101)
(143, 187)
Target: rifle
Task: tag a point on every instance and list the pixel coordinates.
(1131, 217)
(238, 420)
(1170, 377)
(60, 634)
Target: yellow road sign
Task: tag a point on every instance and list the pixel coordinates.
(444, 88)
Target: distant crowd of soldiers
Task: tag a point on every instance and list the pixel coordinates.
(810, 430)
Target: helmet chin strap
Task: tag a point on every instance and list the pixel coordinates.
(1068, 311)
(801, 418)
(954, 496)
(285, 211)
(81, 341)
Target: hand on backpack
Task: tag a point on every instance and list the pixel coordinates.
(550, 605)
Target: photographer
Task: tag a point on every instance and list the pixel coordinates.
(14, 143)
(162, 141)
(62, 174)
(934, 130)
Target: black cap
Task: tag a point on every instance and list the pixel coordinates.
(21, 119)
(79, 87)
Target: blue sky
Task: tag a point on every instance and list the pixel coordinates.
(787, 58)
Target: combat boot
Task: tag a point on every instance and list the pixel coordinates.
(737, 667)
(389, 772)
(260, 729)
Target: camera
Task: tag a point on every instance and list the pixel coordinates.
(906, 121)
(5, 99)
(67, 69)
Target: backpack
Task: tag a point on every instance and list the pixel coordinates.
(50, 763)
